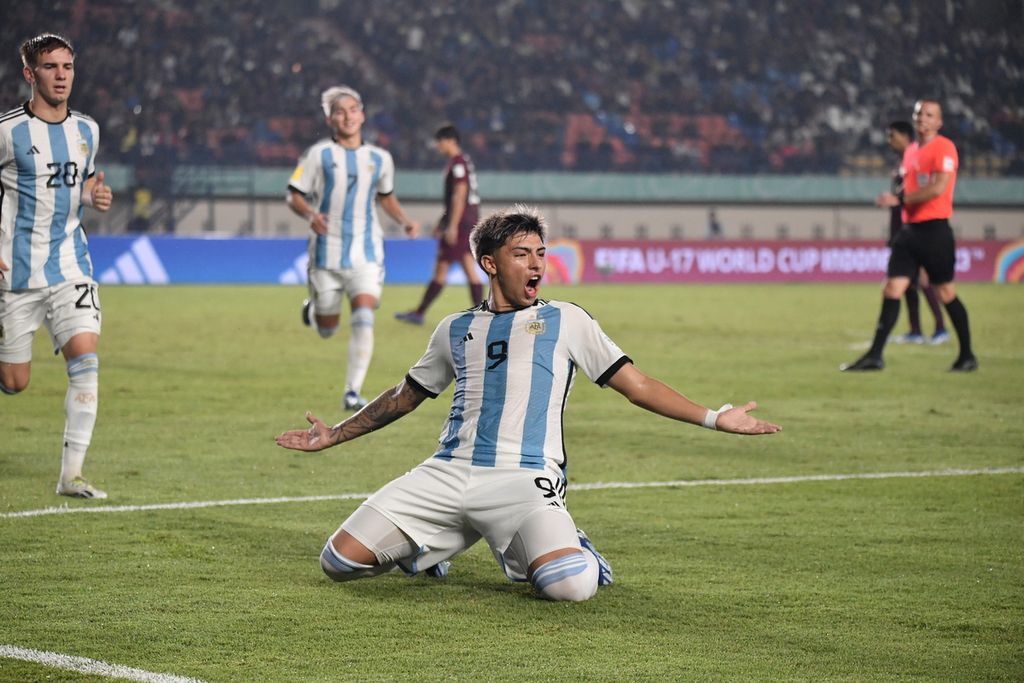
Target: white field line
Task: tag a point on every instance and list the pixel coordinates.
(952, 472)
(597, 486)
(65, 510)
(85, 665)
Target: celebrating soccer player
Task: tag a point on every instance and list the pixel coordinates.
(499, 469)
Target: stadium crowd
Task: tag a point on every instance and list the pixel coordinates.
(723, 86)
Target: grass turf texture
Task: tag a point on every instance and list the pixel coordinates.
(898, 579)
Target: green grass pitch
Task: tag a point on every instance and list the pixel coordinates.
(887, 579)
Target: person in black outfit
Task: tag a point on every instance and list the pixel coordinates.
(900, 134)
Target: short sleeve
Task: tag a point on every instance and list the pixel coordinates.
(433, 372)
(5, 148)
(591, 349)
(386, 181)
(304, 177)
(91, 163)
(947, 160)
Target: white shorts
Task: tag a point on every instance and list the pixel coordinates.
(326, 287)
(67, 309)
(447, 506)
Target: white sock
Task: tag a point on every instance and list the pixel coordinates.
(360, 349)
(570, 577)
(80, 404)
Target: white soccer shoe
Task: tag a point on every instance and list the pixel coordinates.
(908, 338)
(353, 401)
(604, 568)
(439, 570)
(79, 488)
(307, 313)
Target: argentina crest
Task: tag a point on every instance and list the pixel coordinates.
(535, 327)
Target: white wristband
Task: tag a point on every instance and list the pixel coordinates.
(711, 417)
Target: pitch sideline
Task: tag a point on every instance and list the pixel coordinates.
(84, 665)
(597, 486)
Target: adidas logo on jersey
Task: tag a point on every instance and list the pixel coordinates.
(33, 150)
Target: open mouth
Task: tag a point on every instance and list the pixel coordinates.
(532, 286)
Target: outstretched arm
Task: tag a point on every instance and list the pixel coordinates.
(397, 401)
(657, 397)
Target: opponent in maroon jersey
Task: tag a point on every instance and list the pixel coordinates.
(461, 212)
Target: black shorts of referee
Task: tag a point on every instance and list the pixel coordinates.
(929, 245)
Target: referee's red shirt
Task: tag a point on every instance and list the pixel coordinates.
(920, 162)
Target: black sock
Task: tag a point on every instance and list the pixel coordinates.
(886, 321)
(933, 303)
(913, 310)
(433, 289)
(958, 316)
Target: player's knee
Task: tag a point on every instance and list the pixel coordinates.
(12, 384)
(340, 568)
(946, 292)
(326, 332)
(362, 317)
(569, 578)
(13, 381)
(894, 288)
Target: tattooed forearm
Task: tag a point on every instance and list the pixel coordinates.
(397, 401)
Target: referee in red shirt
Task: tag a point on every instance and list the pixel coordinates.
(929, 172)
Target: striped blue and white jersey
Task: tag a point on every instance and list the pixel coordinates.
(343, 184)
(513, 372)
(43, 169)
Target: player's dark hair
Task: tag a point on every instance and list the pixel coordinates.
(447, 132)
(32, 48)
(495, 230)
(903, 128)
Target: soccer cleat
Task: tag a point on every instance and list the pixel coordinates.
(939, 338)
(353, 401)
(865, 362)
(411, 317)
(79, 488)
(604, 570)
(909, 338)
(307, 313)
(968, 364)
(439, 570)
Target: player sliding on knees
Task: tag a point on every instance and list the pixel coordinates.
(499, 469)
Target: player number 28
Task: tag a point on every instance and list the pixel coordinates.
(66, 172)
